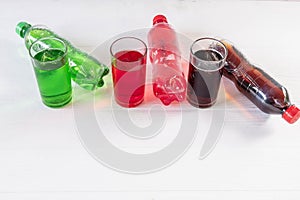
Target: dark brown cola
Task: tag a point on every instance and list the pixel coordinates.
(259, 87)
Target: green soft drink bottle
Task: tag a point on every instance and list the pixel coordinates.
(86, 71)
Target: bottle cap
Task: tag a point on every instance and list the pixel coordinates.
(292, 114)
(21, 28)
(159, 19)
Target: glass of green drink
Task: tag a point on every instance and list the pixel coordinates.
(52, 71)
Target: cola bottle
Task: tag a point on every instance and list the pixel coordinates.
(259, 87)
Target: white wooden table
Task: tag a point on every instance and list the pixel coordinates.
(257, 157)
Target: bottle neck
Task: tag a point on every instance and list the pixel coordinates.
(22, 28)
(160, 22)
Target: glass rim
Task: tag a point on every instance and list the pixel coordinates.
(52, 38)
(129, 37)
(212, 61)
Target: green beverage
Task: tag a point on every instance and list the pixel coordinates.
(85, 70)
(52, 71)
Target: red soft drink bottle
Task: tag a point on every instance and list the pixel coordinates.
(169, 83)
(265, 92)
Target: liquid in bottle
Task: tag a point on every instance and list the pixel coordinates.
(259, 87)
(169, 83)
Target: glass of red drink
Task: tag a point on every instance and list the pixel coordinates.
(207, 59)
(129, 70)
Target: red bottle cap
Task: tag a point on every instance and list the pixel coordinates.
(159, 19)
(292, 114)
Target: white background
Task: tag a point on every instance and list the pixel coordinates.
(257, 157)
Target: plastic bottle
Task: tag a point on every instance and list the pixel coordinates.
(259, 87)
(169, 83)
(86, 71)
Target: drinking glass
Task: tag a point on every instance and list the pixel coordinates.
(129, 70)
(51, 67)
(207, 59)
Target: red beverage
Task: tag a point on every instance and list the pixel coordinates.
(259, 87)
(129, 75)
